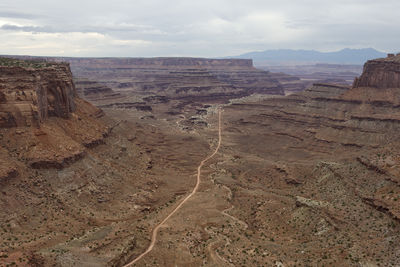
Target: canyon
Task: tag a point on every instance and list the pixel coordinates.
(174, 78)
(320, 73)
(179, 78)
(304, 175)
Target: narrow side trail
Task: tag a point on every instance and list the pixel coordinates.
(157, 228)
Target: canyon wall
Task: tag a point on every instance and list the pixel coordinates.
(42, 120)
(380, 73)
(359, 124)
(177, 62)
(192, 79)
(29, 96)
(107, 81)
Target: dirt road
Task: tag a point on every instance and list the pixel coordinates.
(157, 228)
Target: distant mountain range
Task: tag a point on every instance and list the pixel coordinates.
(298, 57)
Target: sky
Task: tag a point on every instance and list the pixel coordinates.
(204, 28)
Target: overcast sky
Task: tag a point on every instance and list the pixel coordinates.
(207, 28)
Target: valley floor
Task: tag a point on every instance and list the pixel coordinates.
(277, 193)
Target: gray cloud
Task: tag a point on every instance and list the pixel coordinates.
(84, 29)
(194, 28)
(16, 15)
(35, 29)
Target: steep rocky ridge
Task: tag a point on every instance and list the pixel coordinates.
(42, 121)
(29, 96)
(380, 73)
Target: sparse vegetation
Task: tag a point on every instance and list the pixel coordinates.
(35, 64)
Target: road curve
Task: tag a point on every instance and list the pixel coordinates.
(157, 228)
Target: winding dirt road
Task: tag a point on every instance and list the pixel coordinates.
(157, 228)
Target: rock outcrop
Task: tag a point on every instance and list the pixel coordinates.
(8, 168)
(42, 121)
(29, 94)
(380, 73)
(94, 91)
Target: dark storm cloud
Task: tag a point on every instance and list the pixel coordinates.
(194, 28)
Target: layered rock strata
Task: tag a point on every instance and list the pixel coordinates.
(333, 122)
(94, 91)
(29, 96)
(380, 73)
(325, 164)
(42, 121)
(178, 78)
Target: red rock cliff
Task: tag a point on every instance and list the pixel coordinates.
(380, 73)
(29, 95)
(43, 95)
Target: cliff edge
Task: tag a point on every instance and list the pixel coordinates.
(379, 83)
(42, 121)
(31, 91)
(380, 73)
